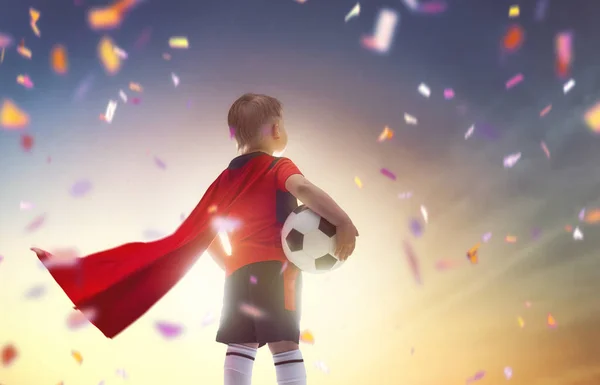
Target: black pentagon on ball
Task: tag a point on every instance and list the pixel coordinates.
(300, 209)
(326, 227)
(325, 262)
(294, 240)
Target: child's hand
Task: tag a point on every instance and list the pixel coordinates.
(345, 236)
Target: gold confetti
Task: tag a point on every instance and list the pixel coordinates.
(109, 59)
(551, 321)
(59, 60)
(34, 16)
(307, 337)
(514, 11)
(510, 239)
(386, 134)
(179, 42)
(12, 117)
(24, 51)
(135, 87)
(77, 356)
(358, 182)
(521, 322)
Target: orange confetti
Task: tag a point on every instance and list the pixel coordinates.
(358, 182)
(545, 111)
(135, 87)
(9, 354)
(510, 239)
(77, 356)
(212, 209)
(473, 254)
(109, 17)
(521, 322)
(551, 321)
(513, 39)
(307, 337)
(568, 228)
(23, 51)
(592, 217)
(386, 134)
(59, 60)
(108, 57)
(12, 117)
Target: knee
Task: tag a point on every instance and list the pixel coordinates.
(282, 347)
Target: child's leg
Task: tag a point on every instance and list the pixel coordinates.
(239, 361)
(289, 364)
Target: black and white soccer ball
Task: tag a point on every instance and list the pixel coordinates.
(309, 241)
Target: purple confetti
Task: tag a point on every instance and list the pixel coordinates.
(253, 280)
(35, 292)
(432, 7)
(81, 188)
(449, 93)
(415, 227)
(478, 376)
(486, 237)
(136, 101)
(169, 330)
(388, 173)
(160, 163)
(36, 223)
(581, 215)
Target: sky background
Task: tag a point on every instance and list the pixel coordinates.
(372, 322)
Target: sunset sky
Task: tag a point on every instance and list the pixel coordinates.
(372, 321)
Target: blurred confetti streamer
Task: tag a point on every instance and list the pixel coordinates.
(469, 132)
(354, 12)
(83, 87)
(307, 337)
(413, 262)
(80, 188)
(121, 373)
(36, 223)
(169, 330)
(513, 11)
(511, 160)
(253, 280)
(321, 366)
(109, 59)
(527, 304)
(447, 264)
(1, 258)
(9, 355)
(35, 292)
(12, 117)
(78, 357)
(476, 377)
(110, 16)
(387, 173)
(508, 372)
(160, 163)
(6, 41)
(415, 227)
(123, 96)
(473, 254)
(383, 36)
(405, 195)
(120, 53)
(109, 115)
(551, 322)
(545, 149)
(23, 50)
(510, 239)
(563, 47)
(514, 81)
(592, 217)
(59, 60)
(135, 87)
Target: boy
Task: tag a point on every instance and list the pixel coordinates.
(254, 269)
(115, 287)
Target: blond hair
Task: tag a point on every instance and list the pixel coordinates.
(248, 114)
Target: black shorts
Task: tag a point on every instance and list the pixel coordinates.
(261, 305)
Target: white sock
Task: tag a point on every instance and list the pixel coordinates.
(239, 361)
(289, 367)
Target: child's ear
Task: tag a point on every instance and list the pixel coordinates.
(276, 131)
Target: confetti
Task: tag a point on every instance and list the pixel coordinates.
(409, 119)
(508, 372)
(415, 227)
(80, 188)
(35, 292)
(253, 280)
(388, 173)
(592, 217)
(59, 60)
(412, 5)
(227, 225)
(160, 163)
(179, 42)
(12, 117)
(307, 337)
(514, 81)
(27, 142)
(175, 79)
(448, 94)
(354, 12)
(545, 149)
(136, 101)
(385, 28)
(405, 195)
(123, 96)
(34, 16)
(77, 356)
(36, 223)
(251, 311)
(476, 377)
(9, 355)
(545, 111)
(78, 319)
(469, 132)
(358, 182)
(110, 111)
(527, 304)
(135, 87)
(432, 7)
(25, 205)
(511, 160)
(109, 59)
(169, 330)
(447, 264)
(224, 239)
(25, 81)
(510, 239)
(568, 86)
(473, 254)
(563, 48)
(513, 39)
(551, 322)
(424, 214)
(514, 11)
(212, 209)
(486, 237)
(23, 51)
(413, 262)
(581, 215)
(6, 41)
(592, 118)
(577, 234)
(120, 53)
(109, 17)
(521, 322)
(386, 134)
(424, 90)
(284, 267)
(121, 373)
(322, 367)
(208, 319)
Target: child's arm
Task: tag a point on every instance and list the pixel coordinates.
(217, 252)
(321, 203)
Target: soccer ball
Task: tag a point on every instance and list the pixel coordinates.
(309, 241)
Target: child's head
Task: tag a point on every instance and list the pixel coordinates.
(257, 123)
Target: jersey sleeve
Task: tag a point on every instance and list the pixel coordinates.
(284, 168)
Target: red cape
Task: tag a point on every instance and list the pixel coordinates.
(119, 285)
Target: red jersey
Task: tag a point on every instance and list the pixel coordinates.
(261, 211)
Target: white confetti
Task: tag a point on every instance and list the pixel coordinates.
(354, 12)
(123, 96)
(25, 205)
(175, 79)
(409, 119)
(508, 372)
(120, 52)
(413, 5)
(469, 132)
(568, 86)
(208, 319)
(511, 160)
(424, 90)
(577, 234)
(110, 111)
(424, 214)
(385, 28)
(405, 195)
(322, 367)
